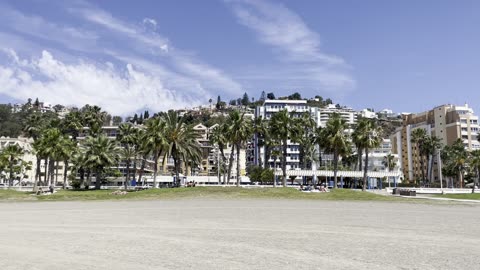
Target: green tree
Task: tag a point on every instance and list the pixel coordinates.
(419, 137)
(93, 117)
(155, 142)
(284, 128)
(12, 156)
(475, 164)
(245, 99)
(101, 153)
(371, 137)
(218, 138)
(337, 141)
(181, 142)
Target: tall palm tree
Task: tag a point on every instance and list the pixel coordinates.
(155, 142)
(127, 137)
(283, 128)
(243, 133)
(307, 140)
(337, 141)
(455, 158)
(142, 152)
(419, 136)
(432, 145)
(65, 150)
(101, 153)
(475, 164)
(127, 154)
(33, 128)
(370, 133)
(389, 163)
(357, 139)
(218, 137)
(181, 142)
(12, 155)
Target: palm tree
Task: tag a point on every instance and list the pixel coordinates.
(181, 142)
(419, 137)
(475, 164)
(455, 158)
(283, 128)
(127, 138)
(93, 117)
(389, 163)
(357, 139)
(371, 138)
(142, 151)
(155, 142)
(218, 138)
(33, 128)
(307, 140)
(432, 145)
(100, 153)
(64, 151)
(12, 155)
(72, 124)
(337, 141)
(127, 154)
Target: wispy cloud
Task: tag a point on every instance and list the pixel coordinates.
(295, 44)
(120, 91)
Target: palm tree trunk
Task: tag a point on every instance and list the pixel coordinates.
(56, 173)
(230, 163)
(65, 171)
(274, 170)
(335, 168)
(422, 164)
(142, 168)
(460, 178)
(135, 168)
(238, 165)
(127, 175)
(47, 175)
(365, 171)
(10, 182)
(177, 171)
(98, 179)
(37, 174)
(284, 163)
(51, 170)
(360, 158)
(155, 169)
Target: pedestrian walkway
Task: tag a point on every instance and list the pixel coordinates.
(440, 199)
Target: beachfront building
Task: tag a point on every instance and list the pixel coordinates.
(447, 122)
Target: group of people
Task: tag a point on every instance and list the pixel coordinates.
(51, 190)
(310, 188)
(190, 184)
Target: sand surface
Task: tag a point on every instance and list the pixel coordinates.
(239, 234)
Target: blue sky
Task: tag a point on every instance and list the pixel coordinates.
(128, 56)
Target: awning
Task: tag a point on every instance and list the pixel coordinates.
(356, 174)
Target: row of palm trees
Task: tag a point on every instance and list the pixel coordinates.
(286, 128)
(165, 135)
(457, 162)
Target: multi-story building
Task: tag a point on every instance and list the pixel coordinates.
(447, 122)
(323, 114)
(296, 108)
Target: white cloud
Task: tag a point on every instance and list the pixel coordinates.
(150, 24)
(117, 91)
(297, 46)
